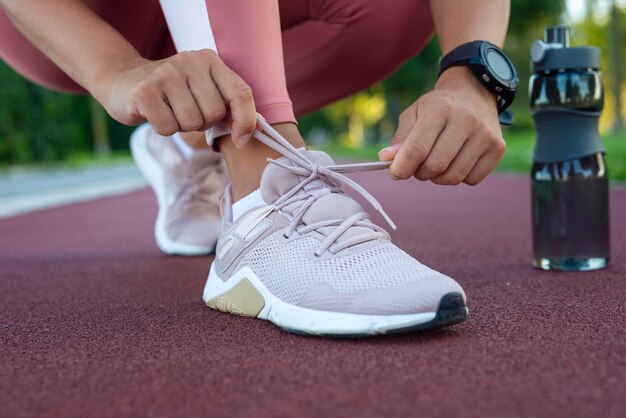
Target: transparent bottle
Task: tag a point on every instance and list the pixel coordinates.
(569, 178)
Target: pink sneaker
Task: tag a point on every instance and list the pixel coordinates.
(187, 190)
(312, 262)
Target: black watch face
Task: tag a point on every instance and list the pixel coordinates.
(500, 67)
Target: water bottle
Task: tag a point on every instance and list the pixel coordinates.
(570, 189)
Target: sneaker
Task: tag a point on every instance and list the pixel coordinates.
(187, 190)
(311, 261)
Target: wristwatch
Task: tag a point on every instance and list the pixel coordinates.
(492, 67)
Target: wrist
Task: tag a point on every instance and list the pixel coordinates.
(461, 79)
(102, 78)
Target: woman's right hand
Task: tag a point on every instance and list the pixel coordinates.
(190, 91)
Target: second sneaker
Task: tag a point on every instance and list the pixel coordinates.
(188, 191)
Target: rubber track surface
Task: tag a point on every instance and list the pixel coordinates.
(94, 321)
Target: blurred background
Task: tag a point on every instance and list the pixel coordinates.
(40, 128)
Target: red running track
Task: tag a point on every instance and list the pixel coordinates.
(96, 322)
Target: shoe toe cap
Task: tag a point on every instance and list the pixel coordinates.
(418, 296)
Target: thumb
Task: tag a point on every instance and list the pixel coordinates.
(389, 153)
(243, 125)
(404, 129)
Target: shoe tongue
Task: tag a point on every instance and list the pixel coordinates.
(277, 181)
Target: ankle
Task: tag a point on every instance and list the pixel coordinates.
(291, 133)
(244, 187)
(246, 165)
(196, 140)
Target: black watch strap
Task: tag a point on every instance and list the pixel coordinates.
(461, 55)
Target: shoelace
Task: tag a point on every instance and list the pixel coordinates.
(313, 171)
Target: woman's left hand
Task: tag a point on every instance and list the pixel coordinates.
(450, 135)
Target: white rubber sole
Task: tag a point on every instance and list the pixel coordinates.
(155, 176)
(236, 296)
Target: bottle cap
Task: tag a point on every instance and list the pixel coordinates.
(555, 53)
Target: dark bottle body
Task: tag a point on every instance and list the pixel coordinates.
(570, 189)
(570, 217)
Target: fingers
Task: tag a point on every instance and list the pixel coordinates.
(485, 165)
(462, 164)
(181, 101)
(389, 153)
(151, 105)
(163, 98)
(431, 119)
(203, 88)
(209, 100)
(239, 97)
(460, 125)
(476, 159)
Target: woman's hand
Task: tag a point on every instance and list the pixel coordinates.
(190, 91)
(450, 135)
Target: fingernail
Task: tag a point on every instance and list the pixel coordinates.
(243, 140)
(390, 148)
(393, 177)
(381, 157)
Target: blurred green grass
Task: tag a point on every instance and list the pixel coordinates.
(518, 155)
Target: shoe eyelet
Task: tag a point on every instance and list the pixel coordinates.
(285, 238)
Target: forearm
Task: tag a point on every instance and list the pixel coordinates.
(73, 37)
(461, 21)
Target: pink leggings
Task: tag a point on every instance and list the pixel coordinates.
(306, 52)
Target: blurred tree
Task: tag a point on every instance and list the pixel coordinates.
(37, 124)
(589, 5)
(412, 80)
(615, 66)
(599, 31)
(99, 129)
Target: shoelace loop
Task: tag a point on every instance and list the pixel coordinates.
(305, 167)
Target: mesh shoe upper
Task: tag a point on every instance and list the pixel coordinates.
(372, 278)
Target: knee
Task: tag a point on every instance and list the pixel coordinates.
(384, 33)
(19, 54)
(409, 26)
